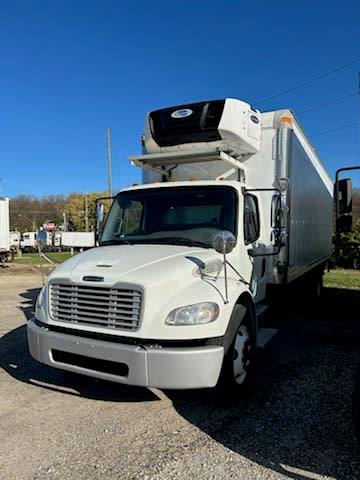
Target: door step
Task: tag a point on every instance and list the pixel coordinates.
(265, 335)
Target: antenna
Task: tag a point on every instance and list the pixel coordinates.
(108, 141)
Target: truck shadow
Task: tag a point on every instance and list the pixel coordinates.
(296, 417)
(16, 360)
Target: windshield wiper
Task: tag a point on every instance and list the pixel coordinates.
(115, 242)
(174, 241)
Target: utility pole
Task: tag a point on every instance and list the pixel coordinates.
(108, 141)
(86, 213)
(65, 222)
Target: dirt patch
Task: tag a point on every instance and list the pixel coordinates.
(14, 269)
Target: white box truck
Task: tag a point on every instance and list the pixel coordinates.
(28, 242)
(4, 230)
(233, 201)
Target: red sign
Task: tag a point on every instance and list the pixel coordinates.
(49, 227)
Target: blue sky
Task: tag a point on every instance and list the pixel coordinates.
(70, 69)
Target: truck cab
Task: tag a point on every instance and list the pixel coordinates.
(171, 297)
(28, 241)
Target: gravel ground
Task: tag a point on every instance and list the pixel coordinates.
(295, 422)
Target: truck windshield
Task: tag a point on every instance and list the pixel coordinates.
(175, 216)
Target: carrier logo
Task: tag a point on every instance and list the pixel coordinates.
(254, 119)
(182, 113)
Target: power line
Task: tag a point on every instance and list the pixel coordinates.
(330, 102)
(309, 82)
(337, 128)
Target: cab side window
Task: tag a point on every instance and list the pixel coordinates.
(251, 219)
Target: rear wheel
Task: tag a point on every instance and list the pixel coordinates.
(315, 286)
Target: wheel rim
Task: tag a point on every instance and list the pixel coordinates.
(241, 359)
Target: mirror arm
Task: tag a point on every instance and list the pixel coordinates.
(225, 279)
(237, 273)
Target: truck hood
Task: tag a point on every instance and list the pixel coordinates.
(144, 264)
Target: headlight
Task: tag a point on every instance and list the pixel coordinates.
(41, 299)
(197, 314)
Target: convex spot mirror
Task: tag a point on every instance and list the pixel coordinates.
(224, 242)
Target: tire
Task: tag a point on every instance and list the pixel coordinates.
(318, 286)
(315, 286)
(239, 357)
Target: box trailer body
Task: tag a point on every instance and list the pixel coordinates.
(78, 239)
(4, 229)
(159, 303)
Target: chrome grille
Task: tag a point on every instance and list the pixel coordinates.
(98, 306)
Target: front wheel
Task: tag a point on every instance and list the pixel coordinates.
(238, 360)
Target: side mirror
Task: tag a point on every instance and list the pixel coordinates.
(100, 213)
(343, 199)
(343, 190)
(344, 223)
(224, 242)
(99, 219)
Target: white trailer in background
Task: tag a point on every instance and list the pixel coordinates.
(233, 202)
(4, 230)
(78, 239)
(15, 238)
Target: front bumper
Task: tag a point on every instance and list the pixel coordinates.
(146, 366)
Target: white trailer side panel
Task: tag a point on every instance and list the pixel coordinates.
(78, 239)
(311, 202)
(4, 225)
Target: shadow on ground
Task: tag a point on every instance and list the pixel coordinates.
(296, 418)
(17, 361)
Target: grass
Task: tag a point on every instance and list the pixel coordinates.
(33, 258)
(349, 279)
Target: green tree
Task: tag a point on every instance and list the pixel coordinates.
(80, 205)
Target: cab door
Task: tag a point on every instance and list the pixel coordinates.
(257, 264)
